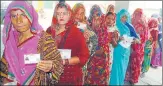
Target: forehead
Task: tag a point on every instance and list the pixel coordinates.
(80, 10)
(96, 18)
(110, 16)
(61, 9)
(16, 11)
(138, 12)
(111, 7)
(96, 13)
(124, 16)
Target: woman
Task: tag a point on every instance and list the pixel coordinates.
(156, 55)
(68, 36)
(152, 24)
(80, 19)
(121, 52)
(113, 31)
(137, 54)
(158, 50)
(111, 8)
(82, 24)
(97, 67)
(23, 36)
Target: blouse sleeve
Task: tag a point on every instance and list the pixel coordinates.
(83, 52)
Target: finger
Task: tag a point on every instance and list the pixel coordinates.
(44, 68)
(41, 68)
(46, 62)
(49, 62)
(41, 64)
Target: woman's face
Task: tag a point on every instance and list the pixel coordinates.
(79, 15)
(63, 15)
(159, 19)
(20, 21)
(96, 21)
(124, 18)
(138, 15)
(111, 9)
(95, 14)
(153, 24)
(110, 20)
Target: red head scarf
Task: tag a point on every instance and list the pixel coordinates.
(138, 17)
(54, 23)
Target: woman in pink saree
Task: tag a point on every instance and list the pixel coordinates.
(157, 51)
(22, 35)
(156, 59)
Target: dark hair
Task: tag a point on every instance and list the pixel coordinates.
(109, 13)
(62, 4)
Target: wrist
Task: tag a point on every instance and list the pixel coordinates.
(66, 62)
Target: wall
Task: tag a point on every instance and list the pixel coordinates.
(121, 4)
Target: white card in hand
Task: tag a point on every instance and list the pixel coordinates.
(126, 42)
(65, 53)
(31, 58)
(81, 25)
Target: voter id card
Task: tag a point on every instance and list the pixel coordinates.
(31, 58)
(65, 53)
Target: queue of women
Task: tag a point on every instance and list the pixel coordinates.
(105, 48)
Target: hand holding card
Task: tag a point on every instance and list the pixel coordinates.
(81, 25)
(65, 53)
(126, 42)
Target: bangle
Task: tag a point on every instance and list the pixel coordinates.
(66, 62)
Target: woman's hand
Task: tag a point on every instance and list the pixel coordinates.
(86, 34)
(99, 52)
(72, 61)
(5, 81)
(116, 34)
(114, 42)
(121, 38)
(45, 66)
(136, 41)
(63, 62)
(115, 38)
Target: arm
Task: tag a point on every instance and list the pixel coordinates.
(115, 38)
(93, 39)
(3, 70)
(94, 42)
(82, 52)
(51, 56)
(73, 61)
